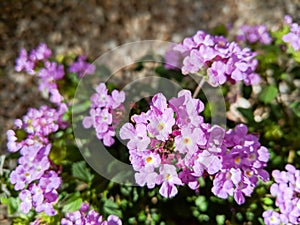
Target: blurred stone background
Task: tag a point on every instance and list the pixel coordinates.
(93, 27)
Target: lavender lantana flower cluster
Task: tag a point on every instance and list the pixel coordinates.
(215, 57)
(286, 189)
(293, 37)
(243, 162)
(48, 72)
(27, 62)
(170, 145)
(254, 34)
(87, 216)
(81, 67)
(35, 176)
(104, 112)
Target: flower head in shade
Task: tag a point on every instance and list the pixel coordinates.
(273, 218)
(81, 67)
(285, 189)
(102, 113)
(244, 160)
(84, 216)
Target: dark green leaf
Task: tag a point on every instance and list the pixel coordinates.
(82, 172)
(295, 106)
(112, 208)
(247, 114)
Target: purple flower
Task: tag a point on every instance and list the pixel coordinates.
(50, 181)
(73, 218)
(187, 177)
(286, 189)
(146, 177)
(243, 162)
(192, 63)
(37, 195)
(169, 179)
(137, 136)
(113, 220)
(12, 144)
(34, 163)
(189, 148)
(173, 59)
(26, 198)
(271, 217)
(161, 125)
(20, 177)
(208, 161)
(253, 34)
(24, 63)
(93, 217)
(217, 73)
(189, 140)
(117, 98)
(81, 67)
(49, 75)
(219, 59)
(103, 113)
(85, 217)
(42, 52)
(292, 38)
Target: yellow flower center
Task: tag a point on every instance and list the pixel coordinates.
(160, 126)
(249, 173)
(187, 140)
(149, 159)
(168, 176)
(237, 160)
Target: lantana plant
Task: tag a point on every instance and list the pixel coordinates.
(186, 168)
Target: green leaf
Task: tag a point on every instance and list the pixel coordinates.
(220, 219)
(261, 221)
(73, 203)
(268, 94)
(201, 203)
(296, 56)
(295, 106)
(12, 205)
(4, 200)
(112, 208)
(267, 201)
(80, 107)
(82, 172)
(247, 114)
